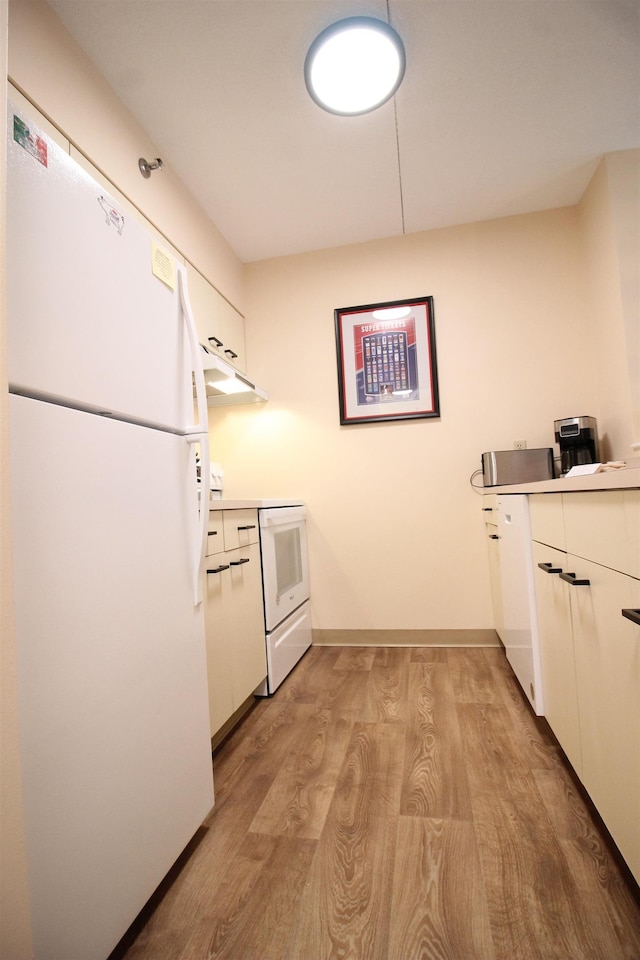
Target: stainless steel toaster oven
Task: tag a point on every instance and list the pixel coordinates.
(501, 467)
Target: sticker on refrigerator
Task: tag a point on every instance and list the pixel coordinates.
(163, 266)
(31, 142)
(113, 216)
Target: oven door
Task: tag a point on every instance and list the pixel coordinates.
(285, 567)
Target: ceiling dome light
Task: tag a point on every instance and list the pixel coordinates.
(354, 66)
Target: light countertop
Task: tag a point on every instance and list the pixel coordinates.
(224, 504)
(626, 479)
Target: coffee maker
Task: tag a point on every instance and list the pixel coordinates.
(577, 438)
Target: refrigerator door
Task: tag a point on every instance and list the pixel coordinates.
(100, 325)
(111, 667)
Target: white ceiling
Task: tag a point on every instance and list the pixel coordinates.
(505, 108)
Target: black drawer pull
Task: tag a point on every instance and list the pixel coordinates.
(487, 509)
(212, 533)
(633, 615)
(231, 354)
(250, 526)
(549, 568)
(237, 563)
(224, 566)
(217, 342)
(574, 581)
(493, 536)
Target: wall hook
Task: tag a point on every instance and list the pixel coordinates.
(146, 167)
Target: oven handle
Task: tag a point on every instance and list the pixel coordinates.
(279, 516)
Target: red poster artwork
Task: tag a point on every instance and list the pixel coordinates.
(385, 360)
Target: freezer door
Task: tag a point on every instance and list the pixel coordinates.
(114, 719)
(89, 320)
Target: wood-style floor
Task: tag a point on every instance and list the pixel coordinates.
(395, 804)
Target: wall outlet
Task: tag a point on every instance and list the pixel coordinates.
(519, 444)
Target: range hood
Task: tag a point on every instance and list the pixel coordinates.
(225, 385)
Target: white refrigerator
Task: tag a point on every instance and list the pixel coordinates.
(108, 543)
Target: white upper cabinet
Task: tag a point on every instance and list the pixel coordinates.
(220, 326)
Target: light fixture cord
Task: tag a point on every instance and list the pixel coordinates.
(395, 116)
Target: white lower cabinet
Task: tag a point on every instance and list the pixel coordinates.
(607, 653)
(490, 513)
(557, 652)
(591, 653)
(234, 620)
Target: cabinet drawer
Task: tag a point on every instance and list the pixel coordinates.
(245, 596)
(547, 523)
(607, 653)
(490, 507)
(215, 533)
(596, 528)
(240, 528)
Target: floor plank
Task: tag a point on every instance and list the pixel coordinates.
(252, 916)
(394, 804)
(439, 907)
(298, 800)
(386, 699)
(345, 910)
(434, 779)
(520, 851)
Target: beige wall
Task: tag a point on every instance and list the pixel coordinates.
(15, 930)
(395, 529)
(610, 226)
(47, 65)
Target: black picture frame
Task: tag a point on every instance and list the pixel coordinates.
(387, 366)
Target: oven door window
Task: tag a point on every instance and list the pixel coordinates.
(288, 559)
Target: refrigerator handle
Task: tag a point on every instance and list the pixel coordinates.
(198, 433)
(196, 357)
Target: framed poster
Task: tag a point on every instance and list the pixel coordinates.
(387, 361)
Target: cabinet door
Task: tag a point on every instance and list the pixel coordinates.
(245, 614)
(632, 523)
(234, 620)
(556, 651)
(494, 577)
(218, 627)
(607, 649)
(220, 326)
